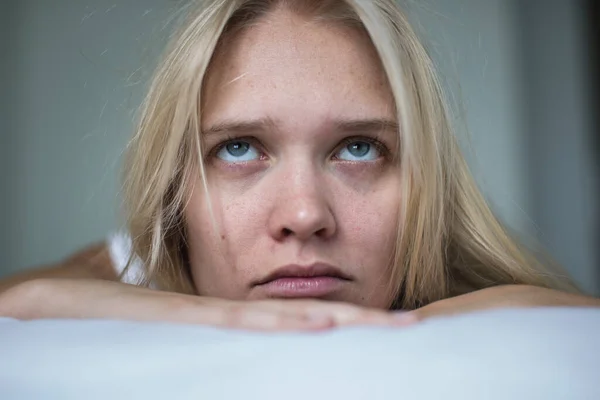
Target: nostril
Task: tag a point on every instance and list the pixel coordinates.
(321, 232)
(286, 232)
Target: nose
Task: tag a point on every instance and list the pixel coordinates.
(302, 209)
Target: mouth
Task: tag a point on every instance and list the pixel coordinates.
(296, 281)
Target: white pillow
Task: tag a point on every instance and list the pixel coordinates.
(512, 354)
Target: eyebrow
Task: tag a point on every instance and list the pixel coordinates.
(359, 126)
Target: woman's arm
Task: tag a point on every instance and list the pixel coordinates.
(96, 299)
(93, 262)
(508, 296)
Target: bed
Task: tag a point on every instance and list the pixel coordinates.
(507, 354)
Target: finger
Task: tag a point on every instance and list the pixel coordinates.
(391, 319)
(348, 315)
(342, 314)
(268, 321)
(261, 320)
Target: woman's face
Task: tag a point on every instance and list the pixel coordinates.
(299, 133)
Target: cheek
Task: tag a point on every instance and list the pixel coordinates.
(199, 223)
(216, 241)
(230, 213)
(201, 238)
(371, 225)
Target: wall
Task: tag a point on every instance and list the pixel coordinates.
(73, 86)
(473, 43)
(8, 49)
(561, 156)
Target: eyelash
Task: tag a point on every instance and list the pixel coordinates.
(231, 139)
(379, 145)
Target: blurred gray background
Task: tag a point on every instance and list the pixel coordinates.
(74, 71)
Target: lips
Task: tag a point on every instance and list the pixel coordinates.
(296, 281)
(298, 271)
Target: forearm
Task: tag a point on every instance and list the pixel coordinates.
(508, 296)
(91, 299)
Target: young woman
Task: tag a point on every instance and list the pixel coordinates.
(294, 168)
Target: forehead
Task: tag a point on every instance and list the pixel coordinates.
(289, 69)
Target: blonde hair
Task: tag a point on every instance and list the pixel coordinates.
(449, 242)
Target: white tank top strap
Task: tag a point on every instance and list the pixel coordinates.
(119, 245)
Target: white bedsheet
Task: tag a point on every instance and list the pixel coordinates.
(520, 354)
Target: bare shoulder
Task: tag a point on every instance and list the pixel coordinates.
(92, 262)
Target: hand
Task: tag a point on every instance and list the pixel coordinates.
(509, 296)
(93, 299)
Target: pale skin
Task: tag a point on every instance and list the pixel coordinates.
(300, 193)
(297, 185)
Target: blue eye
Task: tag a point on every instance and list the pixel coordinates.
(359, 151)
(238, 151)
